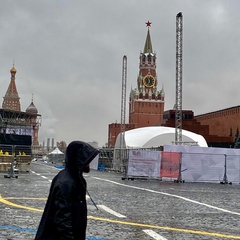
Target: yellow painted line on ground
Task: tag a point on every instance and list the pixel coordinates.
(166, 228)
(190, 231)
(26, 198)
(31, 198)
(3, 200)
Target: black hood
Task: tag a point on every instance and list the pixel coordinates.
(78, 155)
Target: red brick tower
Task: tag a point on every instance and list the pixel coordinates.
(146, 104)
(11, 100)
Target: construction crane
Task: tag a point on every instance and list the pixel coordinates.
(178, 104)
(123, 109)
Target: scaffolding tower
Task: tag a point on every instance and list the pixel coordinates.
(123, 100)
(178, 114)
(123, 113)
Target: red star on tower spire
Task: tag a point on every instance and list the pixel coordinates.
(148, 24)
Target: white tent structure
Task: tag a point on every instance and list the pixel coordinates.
(152, 137)
(148, 137)
(56, 151)
(56, 156)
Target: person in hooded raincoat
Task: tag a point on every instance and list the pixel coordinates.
(65, 213)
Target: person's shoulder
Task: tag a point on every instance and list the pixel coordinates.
(63, 174)
(62, 184)
(63, 178)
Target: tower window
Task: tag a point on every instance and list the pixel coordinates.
(149, 58)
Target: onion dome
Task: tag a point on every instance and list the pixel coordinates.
(13, 70)
(32, 109)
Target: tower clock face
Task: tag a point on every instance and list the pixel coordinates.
(149, 81)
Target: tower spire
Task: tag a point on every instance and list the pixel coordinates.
(11, 100)
(148, 43)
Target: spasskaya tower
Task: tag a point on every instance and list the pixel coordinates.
(146, 103)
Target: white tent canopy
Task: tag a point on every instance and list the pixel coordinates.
(148, 137)
(56, 151)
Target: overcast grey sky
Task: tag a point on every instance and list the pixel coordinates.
(68, 53)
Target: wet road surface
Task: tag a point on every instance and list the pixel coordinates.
(131, 210)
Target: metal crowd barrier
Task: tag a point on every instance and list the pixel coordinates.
(181, 166)
(15, 159)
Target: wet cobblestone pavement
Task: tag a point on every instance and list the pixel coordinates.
(131, 210)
